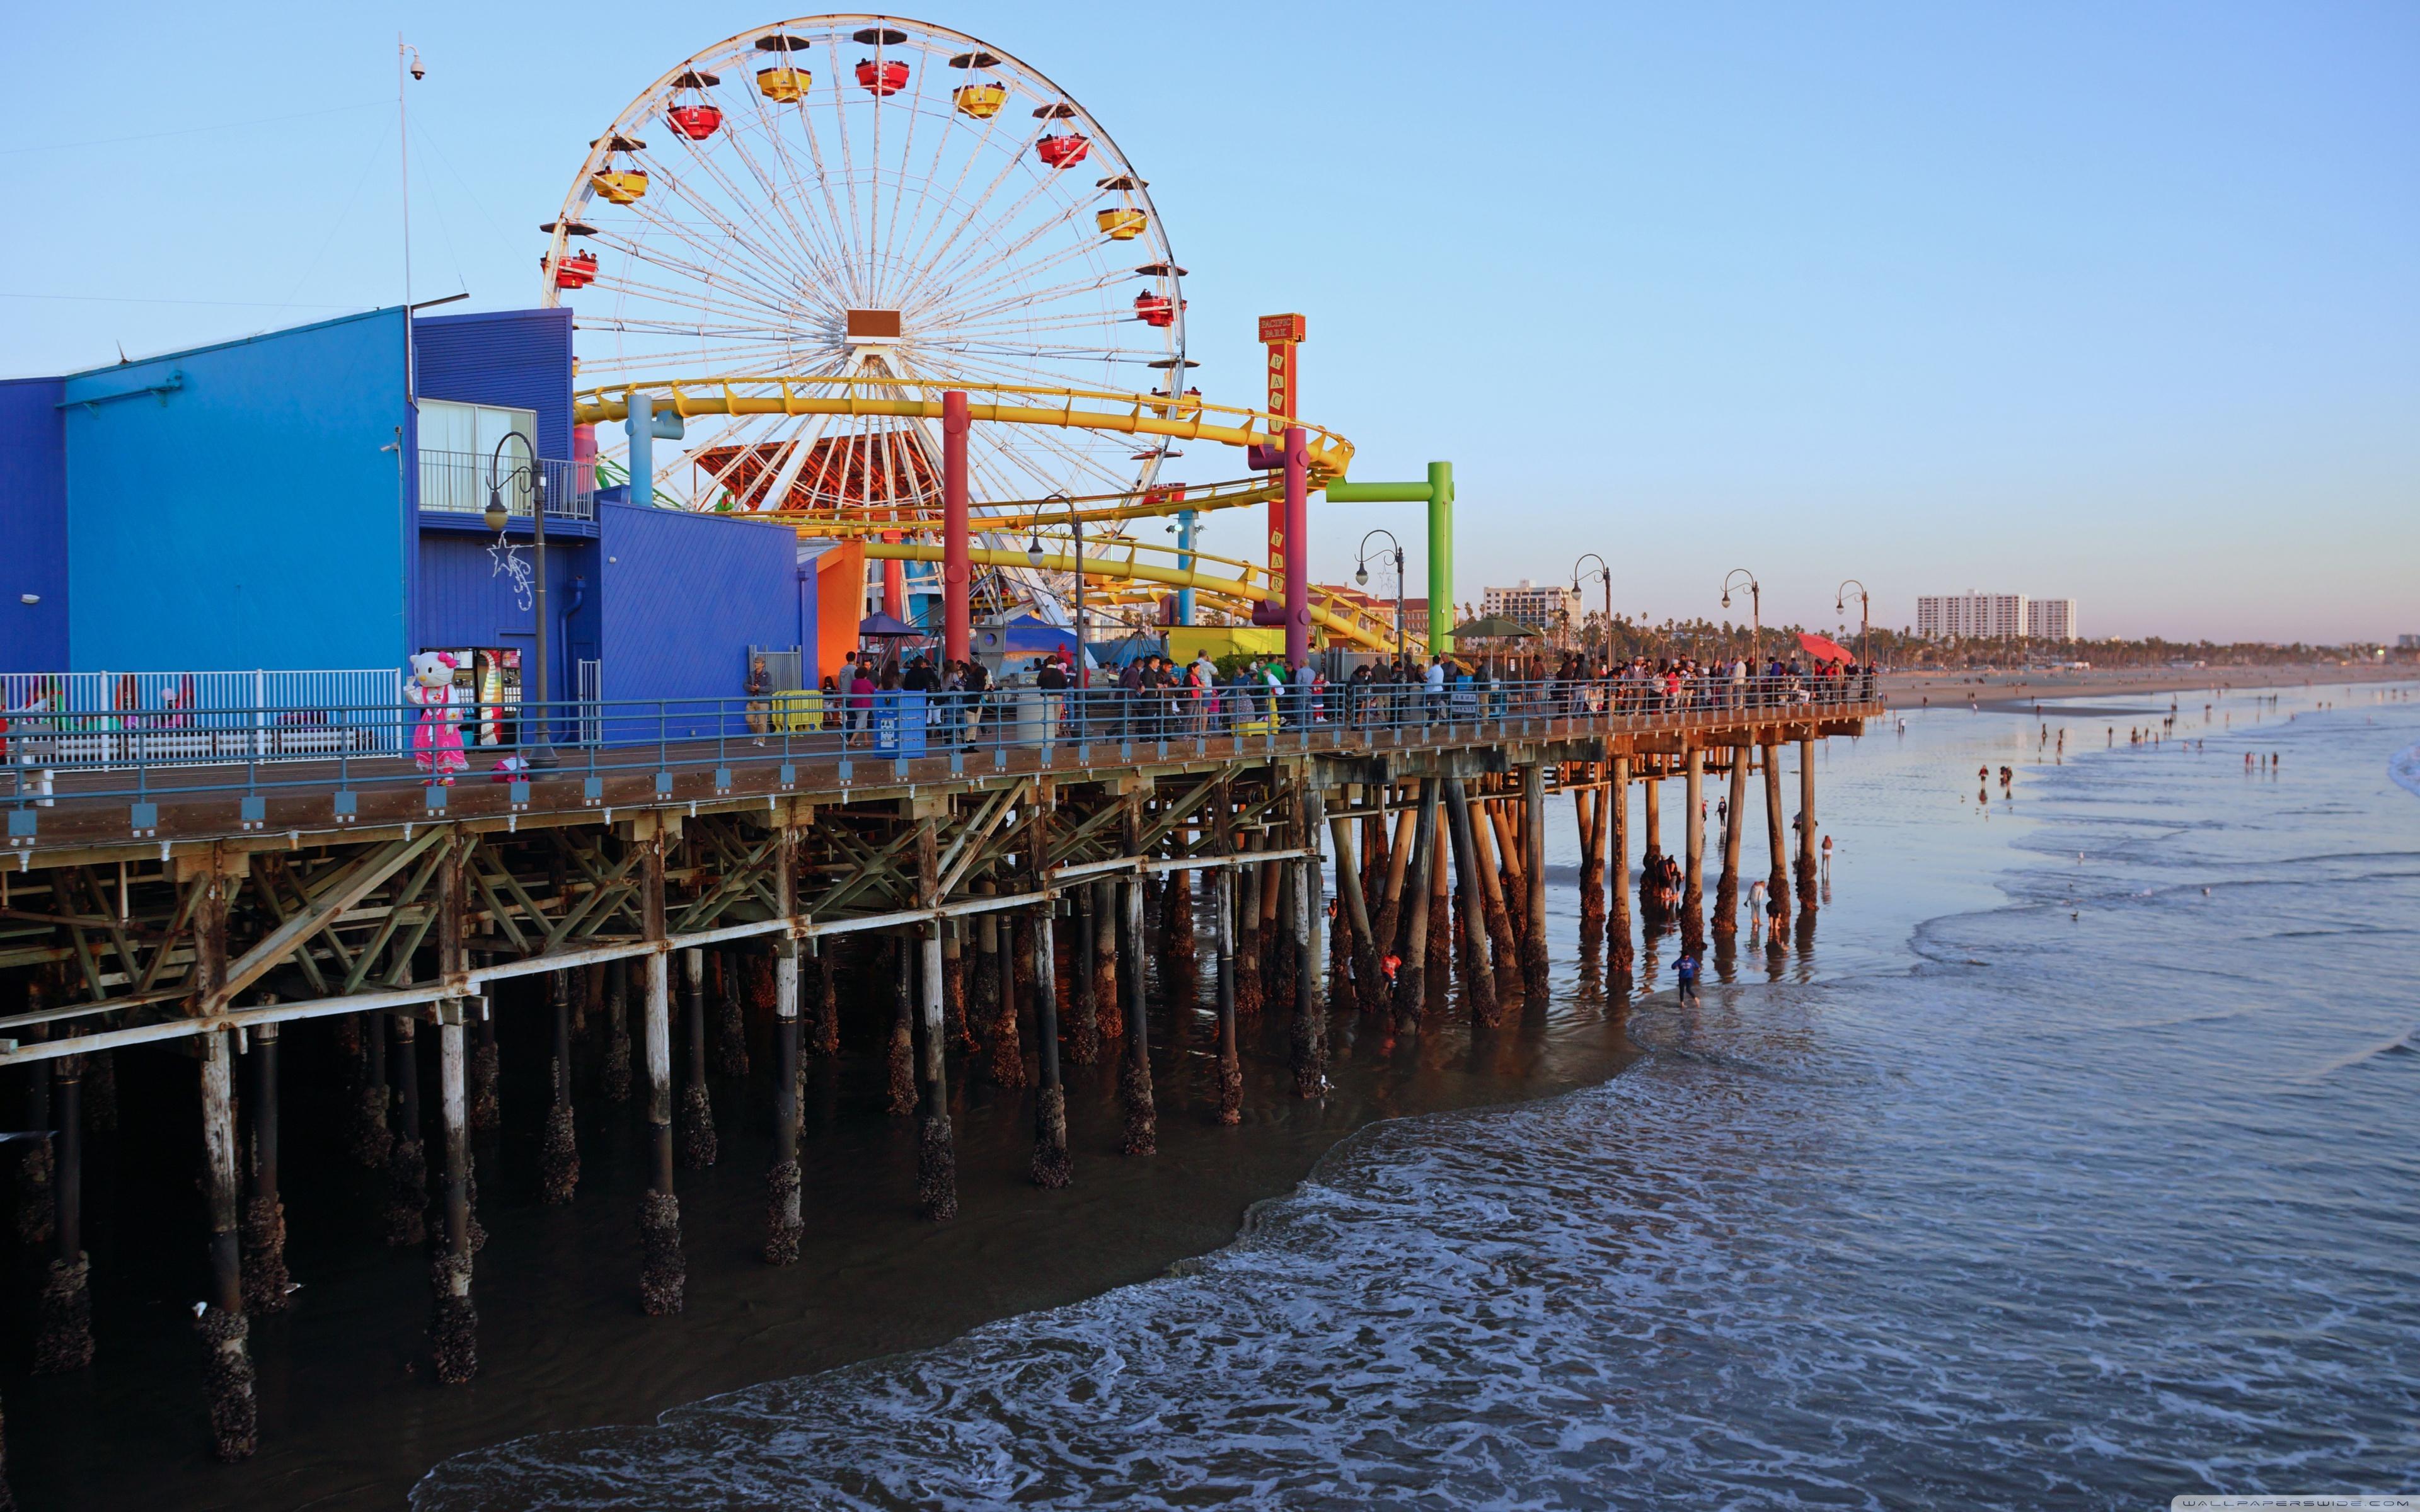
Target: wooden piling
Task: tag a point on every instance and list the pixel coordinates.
(559, 1146)
(1310, 1013)
(1248, 998)
(1362, 943)
(1388, 928)
(1488, 826)
(1726, 918)
(1440, 915)
(1479, 980)
(224, 1327)
(1615, 807)
(1650, 905)
(1052, 1167)
(954, 1027)
(1535, 957)
(1230, 1066)
(1693, 884)
(407, 1165)
(1003, 1040)
(1806, 866)
(784, 1217)
(901, 1060)
(454, 1328)
(1134, 1071)
(700, 1147)
(1777, 904)
(63, 1331)
(264, 1214)
(1107, 912)
(1588, 813)
(823, 1034)
(1083, 996)
(663, 1277)
(1411, 970)
(372, 1139)
(613, 1078)
(731, 1024)
(37, 1200)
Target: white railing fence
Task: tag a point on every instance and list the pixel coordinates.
(105, 717)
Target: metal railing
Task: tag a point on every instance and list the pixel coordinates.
(456, 483)
(595, 742)
(105, 720)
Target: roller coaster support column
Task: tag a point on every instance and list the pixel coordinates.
(1437, 493)
(645, 427)
(1298, 546)
(956, 573)
(1184, 563)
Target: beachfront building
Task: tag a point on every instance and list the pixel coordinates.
(2050, 619)
(1546, 608)
(312, 500)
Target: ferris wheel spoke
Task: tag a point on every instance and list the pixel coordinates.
(1001, 285)
(718, 269)
(1007, 254)
(857, 242)
(818, 249)
(1060, 294)
(922, 76)
(774, 276)
(925, 271)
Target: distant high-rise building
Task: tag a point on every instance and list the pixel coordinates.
(2050, 619)
(1544, 609)
(1972, 616)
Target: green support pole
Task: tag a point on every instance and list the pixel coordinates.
(1440, 558)
(1437, 493)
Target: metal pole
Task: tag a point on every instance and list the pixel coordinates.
(956, 570)
(541, 756)
(1298, 551)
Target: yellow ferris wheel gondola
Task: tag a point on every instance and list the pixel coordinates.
(783, 81)
(624, 185)
(978, 99)
(1126, 220)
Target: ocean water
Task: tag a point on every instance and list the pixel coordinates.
(2074, 1167)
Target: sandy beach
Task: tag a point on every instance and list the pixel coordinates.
(2021, 690)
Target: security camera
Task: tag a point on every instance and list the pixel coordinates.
(419, 71)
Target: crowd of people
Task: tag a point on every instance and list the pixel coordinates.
(1153, 696)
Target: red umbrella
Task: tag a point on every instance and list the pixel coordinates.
(1824, 648)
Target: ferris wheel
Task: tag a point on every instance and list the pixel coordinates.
(881, 204)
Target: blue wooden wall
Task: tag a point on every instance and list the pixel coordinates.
(33, 526)
(521, 359)
(684, 597)
(461, 599)
(248, 519)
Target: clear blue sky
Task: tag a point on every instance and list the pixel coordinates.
(2116, 302)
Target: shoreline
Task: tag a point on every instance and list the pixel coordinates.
(2020, 690)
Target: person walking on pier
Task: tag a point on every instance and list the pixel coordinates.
(759, 688)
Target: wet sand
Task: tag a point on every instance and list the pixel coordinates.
(350, 1417)
(2020, 690)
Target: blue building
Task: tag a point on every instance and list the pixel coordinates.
(292, 502)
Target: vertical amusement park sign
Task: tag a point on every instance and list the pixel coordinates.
(1281, 335)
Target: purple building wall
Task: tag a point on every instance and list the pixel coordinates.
(33, 526)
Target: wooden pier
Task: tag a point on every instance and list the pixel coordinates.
(1009, 897)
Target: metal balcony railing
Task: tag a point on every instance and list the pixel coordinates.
(456, 483)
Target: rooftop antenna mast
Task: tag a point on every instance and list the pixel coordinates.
(407, 58)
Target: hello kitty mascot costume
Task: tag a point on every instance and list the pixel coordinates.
(436, 745)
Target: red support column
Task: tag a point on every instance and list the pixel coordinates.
(956, 570)
(1298, 545)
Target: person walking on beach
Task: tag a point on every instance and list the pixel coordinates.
(1685, 973)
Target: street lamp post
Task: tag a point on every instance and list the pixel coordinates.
(1362, 577)
(1604, 572)
(1756, 612)
(1033, 554)
(1864, 618)
(540, 754)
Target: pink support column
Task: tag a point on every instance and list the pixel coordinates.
(1298, 545)
(956, 570)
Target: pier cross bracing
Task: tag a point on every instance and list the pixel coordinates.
(1011, 902)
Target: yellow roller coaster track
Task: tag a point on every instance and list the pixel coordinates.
(1182, 417)
(1123, 560)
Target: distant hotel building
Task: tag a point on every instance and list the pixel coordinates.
(1544, 609)
(1972, 616)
